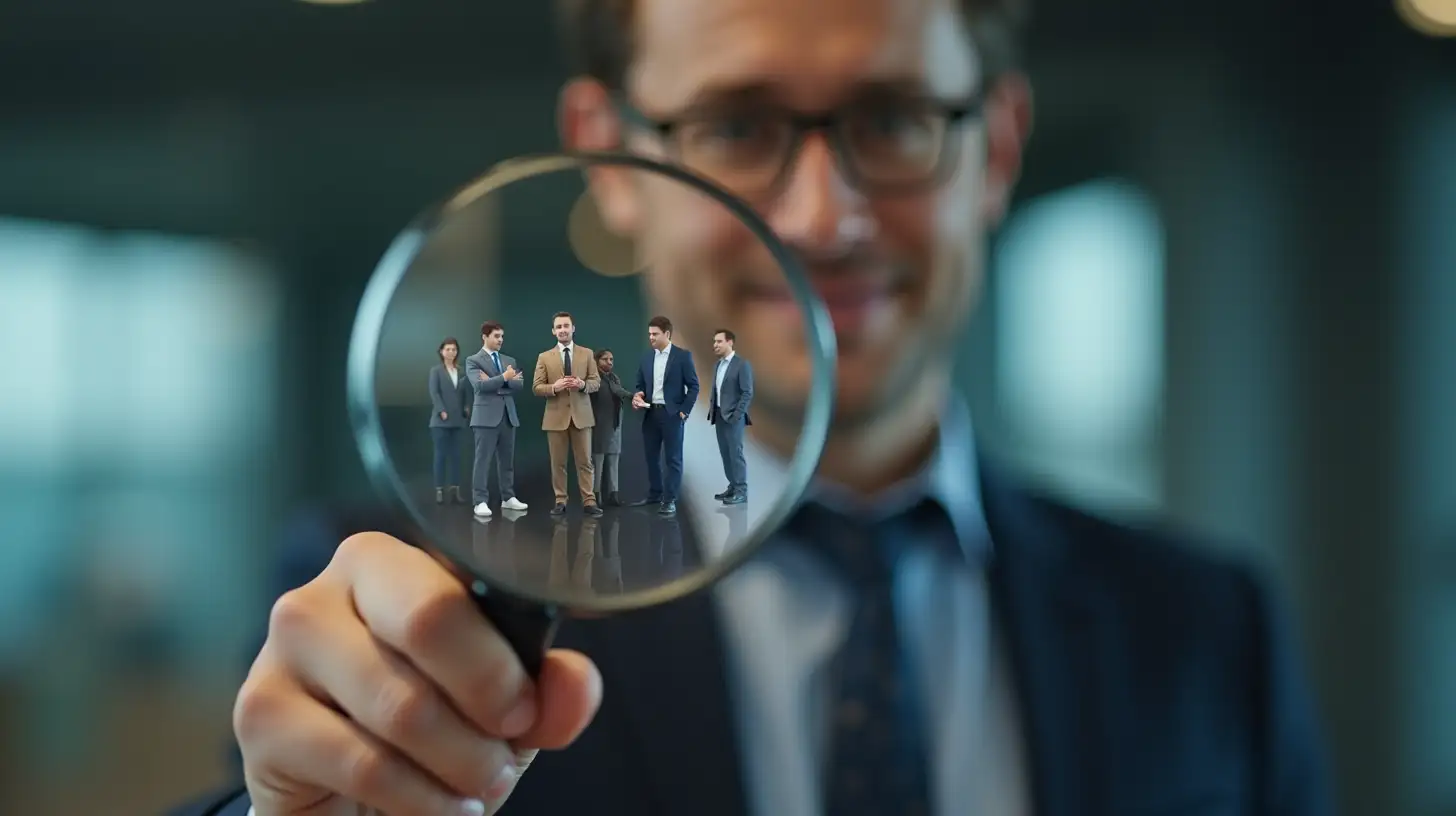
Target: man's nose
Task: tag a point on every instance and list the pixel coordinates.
(816, 202)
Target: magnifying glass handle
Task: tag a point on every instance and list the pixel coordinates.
(528, 626)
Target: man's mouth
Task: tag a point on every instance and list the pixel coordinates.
(852, 303)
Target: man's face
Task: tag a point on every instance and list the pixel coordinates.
(495, 340)
(899, 272)
(563, 330)
(604, 363)
(721, 345)
(657, 338)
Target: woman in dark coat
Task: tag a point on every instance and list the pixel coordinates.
(450, 399)
(607, 403)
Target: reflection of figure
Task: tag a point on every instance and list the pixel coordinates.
(568, 572)
(495, 378)
(608, 579)
(449, 404)
(493, 545)
(667, 388)
(732, 394)
(565, 376)
(668, 541)
(607, 405)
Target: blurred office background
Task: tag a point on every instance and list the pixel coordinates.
(1227, 295)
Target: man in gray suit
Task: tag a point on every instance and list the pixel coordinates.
(493, 419)
(607, 403)
(731, 395)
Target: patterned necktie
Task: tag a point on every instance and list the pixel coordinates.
(877, 755)
(566, 361)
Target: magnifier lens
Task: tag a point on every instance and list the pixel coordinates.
(591, 381)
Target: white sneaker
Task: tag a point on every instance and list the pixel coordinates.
(513, 503)
(482, 510)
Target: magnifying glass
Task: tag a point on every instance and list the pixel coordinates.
(589, 383)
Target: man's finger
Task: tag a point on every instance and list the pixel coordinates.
(409, 601)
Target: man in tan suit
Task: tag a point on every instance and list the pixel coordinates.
(565, 375)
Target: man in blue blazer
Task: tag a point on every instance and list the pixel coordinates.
(667, 389)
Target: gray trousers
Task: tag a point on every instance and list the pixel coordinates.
(730, 447)
(499, 444)
(605, 462)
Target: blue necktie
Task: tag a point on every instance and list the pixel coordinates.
(877, 755)
(496, 357)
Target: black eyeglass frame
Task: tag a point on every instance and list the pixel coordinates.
(832, 124)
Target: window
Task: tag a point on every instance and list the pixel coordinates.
(1079, 346)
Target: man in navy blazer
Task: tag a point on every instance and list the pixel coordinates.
(922, 636)
(667, 389)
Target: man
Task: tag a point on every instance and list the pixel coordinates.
(1063, 664)
(566, 376)
(493, 419)
(732, 394)
(667, 388)
(607, 404)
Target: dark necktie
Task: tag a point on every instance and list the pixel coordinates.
(877, 755)
(566, 361)
(496, 358)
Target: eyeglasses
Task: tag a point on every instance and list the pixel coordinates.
(888, 145)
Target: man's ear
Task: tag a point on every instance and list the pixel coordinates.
(1008, 126)
(588, 121)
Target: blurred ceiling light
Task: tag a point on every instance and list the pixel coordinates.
(1436, 18)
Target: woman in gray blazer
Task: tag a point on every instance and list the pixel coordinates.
(450, 399)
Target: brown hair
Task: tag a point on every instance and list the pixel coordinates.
(597, 35)
(490, 327)
(727, 335)
(448, 341)
(559, 315)
(661, 323)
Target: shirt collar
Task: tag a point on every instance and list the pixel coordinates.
(728, 357)
(949, 479)
(564, 347)
(663, 350)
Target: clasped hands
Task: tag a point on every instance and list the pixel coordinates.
(568, 383)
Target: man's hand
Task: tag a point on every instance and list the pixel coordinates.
(578, 383)
(681, 415)
(382, 687)
(510, 373)
(638, 401)
(444, 415)
(482, 376)
(561, 384)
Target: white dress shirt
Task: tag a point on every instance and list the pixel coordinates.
(659, 372)
(718, 378)
(454, 375)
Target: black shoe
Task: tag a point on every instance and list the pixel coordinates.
(558, 510)
(613, 500)
(736, 498)
(592, 510)
(439, 495)
(667, 508)
(725, 494)
(645, 502)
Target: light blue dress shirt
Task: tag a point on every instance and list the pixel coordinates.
(785, 615)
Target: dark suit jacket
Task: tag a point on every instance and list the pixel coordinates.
(1151, 681)
(453, 400)
(737, 391)
(679, 380)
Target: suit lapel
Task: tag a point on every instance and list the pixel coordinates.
(1058, 636)
(665, 667)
